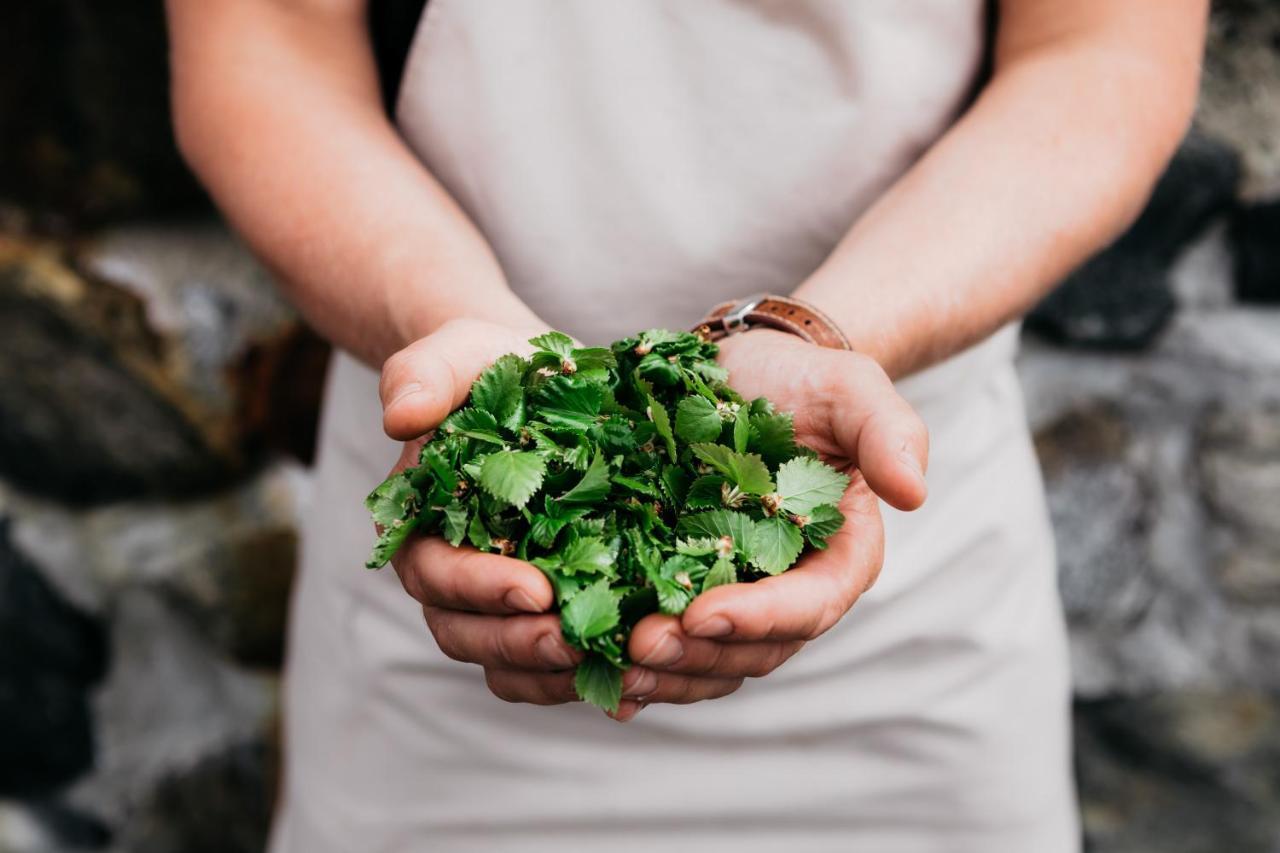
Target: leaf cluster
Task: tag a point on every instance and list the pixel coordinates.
(632, 476)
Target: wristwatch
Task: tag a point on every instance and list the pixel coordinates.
(775, 312)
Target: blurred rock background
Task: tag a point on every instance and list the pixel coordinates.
(157, 404)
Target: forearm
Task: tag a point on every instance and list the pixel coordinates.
(277, 110)
(1053, 160)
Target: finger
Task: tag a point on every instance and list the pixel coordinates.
(439, 575)
(660, 643)
(532, 643)
(801, 603)
(882, 434)
(542, 688)
(646, 687)
(422, 383)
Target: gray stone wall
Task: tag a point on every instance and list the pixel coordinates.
(157, 404)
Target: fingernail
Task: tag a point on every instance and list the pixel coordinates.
(645, 683)
(909, 459)
(406, 390)
(550, 652)
(626, 710)
(518, 599)
(712, 626)
(666, 652)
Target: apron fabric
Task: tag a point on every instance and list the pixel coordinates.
(633, 162)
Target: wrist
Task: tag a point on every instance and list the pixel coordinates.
(782, 313)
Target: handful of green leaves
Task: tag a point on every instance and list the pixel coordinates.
(632, 476)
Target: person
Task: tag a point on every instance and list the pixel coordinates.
(604, 167)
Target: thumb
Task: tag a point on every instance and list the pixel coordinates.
(422, 383)
(884, 436)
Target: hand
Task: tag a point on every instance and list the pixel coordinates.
(846, 408)
(481, 608)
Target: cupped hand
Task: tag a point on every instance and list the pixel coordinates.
(845, 408)
(481, 608)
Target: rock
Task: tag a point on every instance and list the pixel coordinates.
(222, 805)
(1098, 505)
(1185, 772)
(1237, 89)
(1122, 298)
(225, 562)
(144, 358)
(1255, 242)
(172, 711)
(1239, 461)
(1202, 275)
(1157, 467)
(50, 656)
(86, 135)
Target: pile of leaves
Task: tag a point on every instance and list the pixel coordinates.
(634, 477)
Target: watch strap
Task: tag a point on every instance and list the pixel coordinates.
(775, 312)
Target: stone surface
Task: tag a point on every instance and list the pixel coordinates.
(225, 562)
(1255, 242)
(1122, 298)
(1161, 481)
(170, 709)
(1186, 772)
(221, 805)
(145, 357)
(51, 654)
(1238, 88)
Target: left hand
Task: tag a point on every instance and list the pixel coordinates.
(845, 408)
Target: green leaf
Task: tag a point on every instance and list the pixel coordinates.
(594, 485)
(512, 476)
(745, 470)
(773, 437)
(554, 342)
(565, 403)
(808, 483)
(393, 500)
(473, 423)
(700, 547)
(672, 597)
(389, 542)
(697, 420)
(675, 483)
(456, 516)
(662, 422)
(721, 522)
(592, 611)
(723, 572)
(741, 432)
(705, 493)
(824, 521)
(587, 555)
(478, 534)
(659, 370)
(599, 683)
(592, 360)
(638, 486)
(776, 545)
(498, 391)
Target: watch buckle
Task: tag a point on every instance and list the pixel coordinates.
(735, 319)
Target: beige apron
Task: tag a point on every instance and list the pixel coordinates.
(633, 162)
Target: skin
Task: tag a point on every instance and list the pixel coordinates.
(277, 110)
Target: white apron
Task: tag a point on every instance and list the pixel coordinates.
(633, 162)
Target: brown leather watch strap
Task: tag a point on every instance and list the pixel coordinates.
(775, 312)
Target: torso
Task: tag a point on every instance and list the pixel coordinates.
(633, 162)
